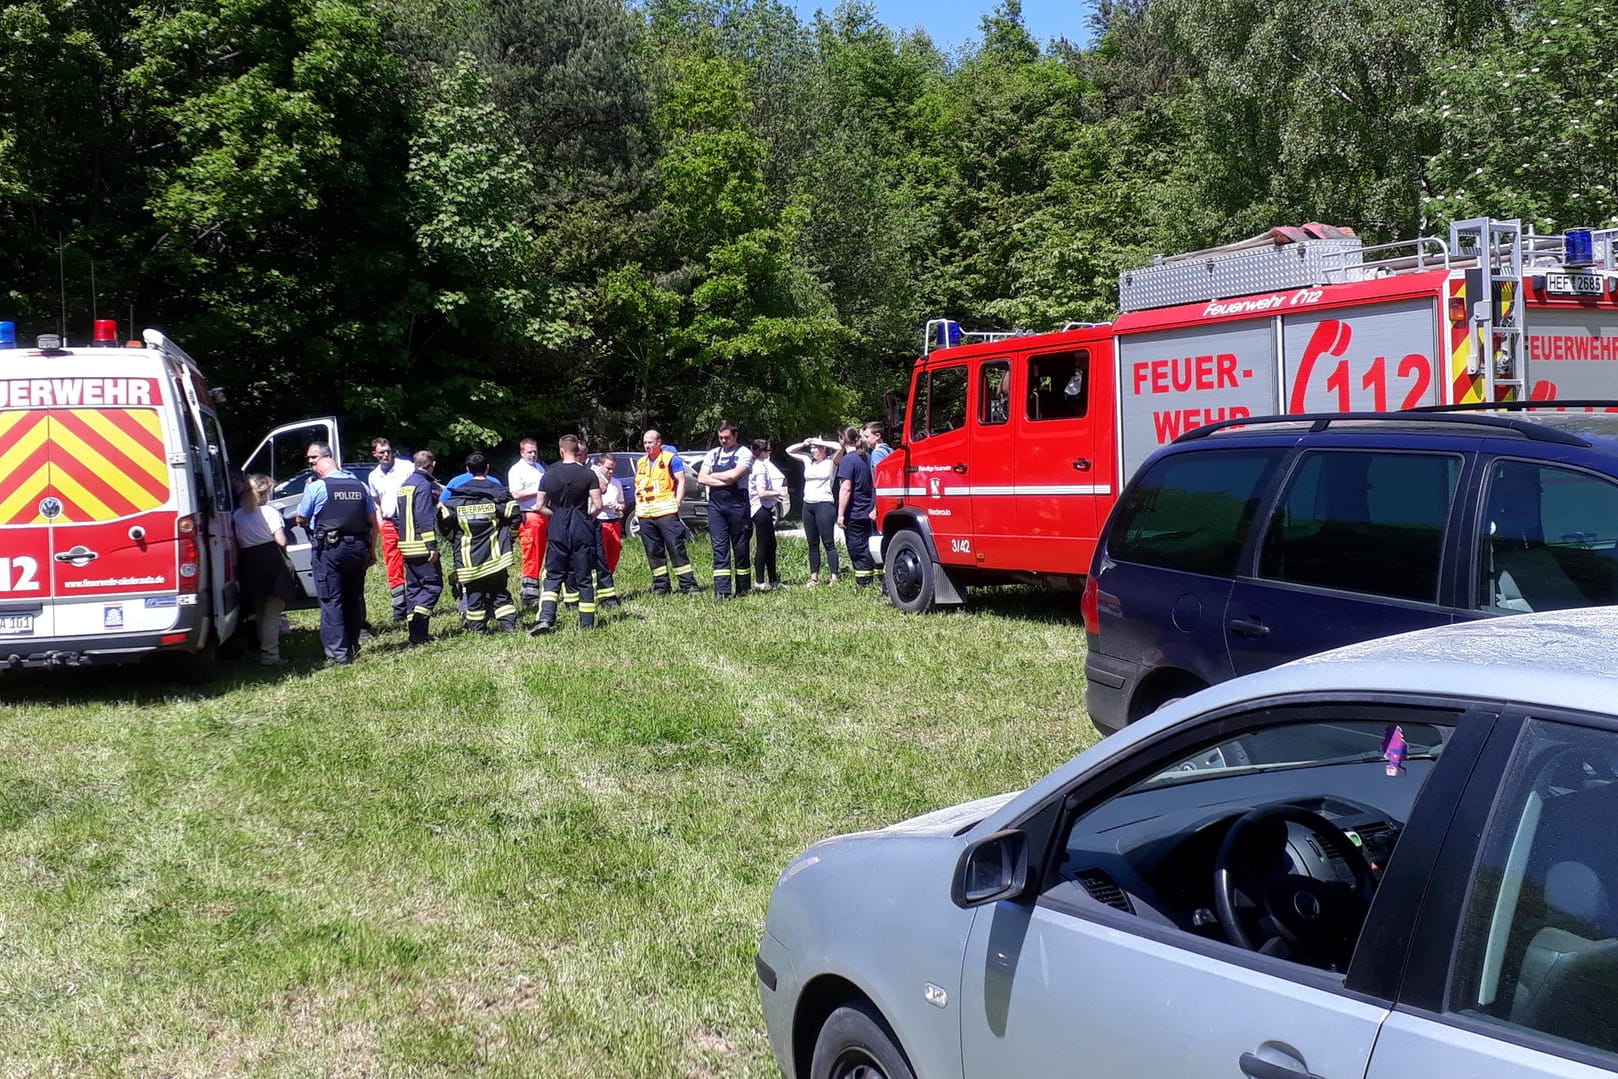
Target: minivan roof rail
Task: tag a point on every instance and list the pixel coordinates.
(1320, 421)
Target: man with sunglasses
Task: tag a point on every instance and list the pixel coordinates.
(340, 514)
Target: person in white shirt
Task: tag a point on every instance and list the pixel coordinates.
(523, 481)
(819, 502)
(383, 483)
(766, 489)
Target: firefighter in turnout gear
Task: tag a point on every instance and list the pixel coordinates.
(570, 499)
(659, 487)
(482, 519)
(341, 516)
(414, 522)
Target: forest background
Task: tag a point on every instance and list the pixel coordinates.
(458, 221)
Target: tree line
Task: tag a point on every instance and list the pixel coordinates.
(460, 221)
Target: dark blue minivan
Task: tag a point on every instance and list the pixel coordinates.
(1246, 544)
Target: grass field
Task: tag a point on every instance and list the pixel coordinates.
(491, 856)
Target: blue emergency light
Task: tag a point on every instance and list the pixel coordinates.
(1579, 248)
(8, 335)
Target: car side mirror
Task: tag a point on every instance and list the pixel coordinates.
(992, 868)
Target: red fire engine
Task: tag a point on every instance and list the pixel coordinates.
(1013, 447)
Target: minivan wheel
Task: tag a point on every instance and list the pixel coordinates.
(909, 572)
(855, 1043)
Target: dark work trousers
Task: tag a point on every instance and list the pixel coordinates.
(764, 571)
(570, 559)
(729, 531)
(664, 540)
(857, 532)
(488, 603)
(340, 586)
(424, 583)
(820, 529)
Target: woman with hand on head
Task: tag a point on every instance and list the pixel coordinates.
(819, 502)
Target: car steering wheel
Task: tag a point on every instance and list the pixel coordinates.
(1315, 920)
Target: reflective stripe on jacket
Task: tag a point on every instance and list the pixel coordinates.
(655, 486)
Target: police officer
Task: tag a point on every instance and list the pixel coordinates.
(659, 487)
(341, 516)
(730, 526)
(415, 521)
(570, 499)
(483, 519)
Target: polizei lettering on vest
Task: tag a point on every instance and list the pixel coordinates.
(76, 392)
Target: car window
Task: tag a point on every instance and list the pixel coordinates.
(1550, 539)
(1059, 385)
(1273, 838)
(994, 393)
(1367, 521)
(940, 403)
(1192, 511)
(1538, 949)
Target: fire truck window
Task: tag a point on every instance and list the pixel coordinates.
(1550, 537)
(1059, 386)
(944, 408)
(1363, 521)
(1192, 511)
(994, 393)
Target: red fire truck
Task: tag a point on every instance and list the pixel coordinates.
(1012, 447)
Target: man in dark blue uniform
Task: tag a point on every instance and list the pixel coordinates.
(856, 506)
(570, 499)
(730, 525)
(415, 522)
(341, 517)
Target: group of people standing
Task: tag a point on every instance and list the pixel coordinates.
(562, 525)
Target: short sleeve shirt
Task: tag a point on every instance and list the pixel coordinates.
(856, 468)
(524, 480)
(567, 486)
(384, 486)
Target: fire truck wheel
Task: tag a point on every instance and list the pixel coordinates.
(909, 571)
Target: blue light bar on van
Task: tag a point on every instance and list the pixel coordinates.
(8, 335)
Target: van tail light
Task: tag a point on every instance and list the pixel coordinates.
(1090, 605)
(190, 554)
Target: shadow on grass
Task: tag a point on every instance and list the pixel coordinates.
(1028, 603)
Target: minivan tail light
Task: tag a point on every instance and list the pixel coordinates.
(1090, 605)
(190, 554)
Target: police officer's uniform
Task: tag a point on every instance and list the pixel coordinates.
(415, 521)
(657, 508)
(339, 510)
(730, 525)
(483, 520)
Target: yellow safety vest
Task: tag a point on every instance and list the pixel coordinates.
(655, 486)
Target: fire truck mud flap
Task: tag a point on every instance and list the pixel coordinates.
(914, 578)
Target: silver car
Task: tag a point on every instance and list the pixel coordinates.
(1395, 859)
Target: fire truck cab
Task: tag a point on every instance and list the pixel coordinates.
(1012, 447)
(115, 503)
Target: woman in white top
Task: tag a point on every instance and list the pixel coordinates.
(819, 502)
(612, 512)
(766, 487)
(266, 580)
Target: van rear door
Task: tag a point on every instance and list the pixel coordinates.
(25, 533)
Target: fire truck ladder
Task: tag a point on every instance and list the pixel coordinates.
(1494, 285)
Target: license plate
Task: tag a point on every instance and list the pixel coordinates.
(1574, 284)
(16, 625)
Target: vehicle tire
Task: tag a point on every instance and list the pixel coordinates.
(632, 526)
(909, 574)
(855, 1043)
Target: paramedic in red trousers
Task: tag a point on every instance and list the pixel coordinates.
(383, 481)
(856, 504)
(341, 518)
(415, 519)
(659, 487)
(570, 498)
(730, 528)
(523, 480)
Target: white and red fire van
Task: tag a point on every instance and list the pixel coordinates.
(1011, 447)
(115, 503)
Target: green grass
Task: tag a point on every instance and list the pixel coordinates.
(492, 856)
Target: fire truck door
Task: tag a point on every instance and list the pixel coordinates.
(1060, 478)
(25, 527)
(939, 443)
(993, 462)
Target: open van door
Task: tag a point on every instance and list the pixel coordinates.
(280, 456)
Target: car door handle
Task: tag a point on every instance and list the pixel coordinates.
(1082, 464)
(79, 556)
(959, 468)
(1257, 1068)
(1248, 627)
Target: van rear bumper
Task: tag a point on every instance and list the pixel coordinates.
(1108, 682)
(94, 651)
